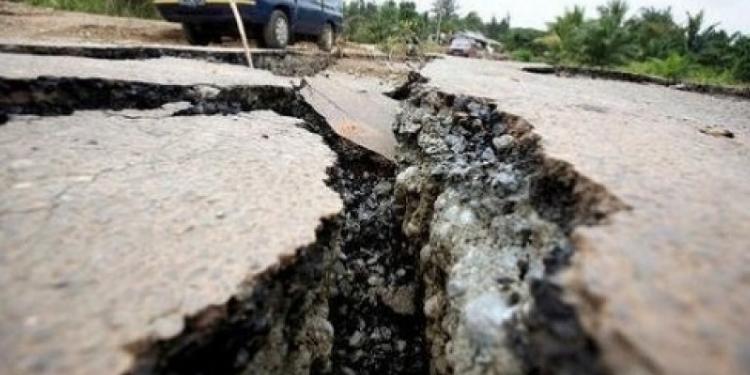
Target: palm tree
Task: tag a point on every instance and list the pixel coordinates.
(605, 41)
(656, 33)
(561, 38)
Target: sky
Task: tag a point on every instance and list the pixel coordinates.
(734, 15)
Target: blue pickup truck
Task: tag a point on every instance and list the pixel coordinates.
(274, 22)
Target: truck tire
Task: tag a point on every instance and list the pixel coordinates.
(276, 33)
(326, 38)
(196, 35)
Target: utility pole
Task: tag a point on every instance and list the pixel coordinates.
(439, 20)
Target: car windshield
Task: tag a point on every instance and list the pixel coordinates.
(461, 44)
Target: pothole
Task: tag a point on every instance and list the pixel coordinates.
(441, 263)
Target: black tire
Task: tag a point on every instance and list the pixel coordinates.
(277, 33)
(196, 34)
(326, 38)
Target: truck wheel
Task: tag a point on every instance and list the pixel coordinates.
(326, 38)
(276, 31)
(196, 35)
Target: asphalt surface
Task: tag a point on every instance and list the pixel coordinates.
(356, 108)
(664, 287)
(167, 70)
(116, 225)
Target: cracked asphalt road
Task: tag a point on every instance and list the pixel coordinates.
(100, 209)
(663, 287)
(115, 226)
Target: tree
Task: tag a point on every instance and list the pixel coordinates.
(741, 69)
(562, 39)
(656, 33)
(446, 8)
(407, 10)
(605, 41)
(473, 22)
(694, 37)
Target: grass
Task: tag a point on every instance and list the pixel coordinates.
(679, 69)
(123, 8)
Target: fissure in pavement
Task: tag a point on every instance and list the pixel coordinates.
(441, 263)
(285, 63)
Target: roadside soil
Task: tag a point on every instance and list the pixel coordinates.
(23, 22)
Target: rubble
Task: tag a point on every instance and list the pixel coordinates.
(493, 215)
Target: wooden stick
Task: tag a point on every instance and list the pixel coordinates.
(241, 28)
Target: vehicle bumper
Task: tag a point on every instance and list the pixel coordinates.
(214, 11)
(457, 52)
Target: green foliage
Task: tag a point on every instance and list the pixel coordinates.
(447, 8)
(387, 24)
(523, 55)
(655, 33)
(741, 68)
(125, 8)
(563, 41)
(675, 67)
(604, 41)
(523, 38)
(497, 30)
(473, 22)
(649, 42)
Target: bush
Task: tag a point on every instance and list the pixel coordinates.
(126, 8)
(678, 68)
(522, 55)
(675, 67)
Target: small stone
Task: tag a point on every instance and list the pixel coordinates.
(207, 92)
(400, 345)
(503, 142)
(432, 306)
(355, 340)
(374, 281)
(400, 299)
(485, 316)
(506, 180)
(488, 155)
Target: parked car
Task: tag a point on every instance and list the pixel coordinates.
(273, 22)
(463, 47)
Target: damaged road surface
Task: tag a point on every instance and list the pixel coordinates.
(177, 181)
(117, 234)
(176, 216)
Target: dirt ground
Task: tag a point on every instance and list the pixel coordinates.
(21, 21)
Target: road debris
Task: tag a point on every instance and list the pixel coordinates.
(717, 132)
